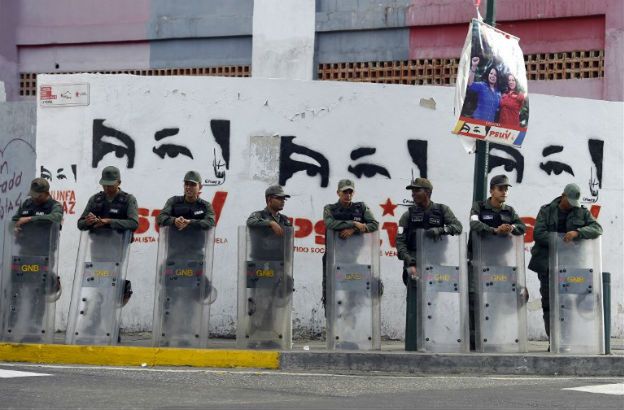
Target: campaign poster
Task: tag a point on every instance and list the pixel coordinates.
(491, 91)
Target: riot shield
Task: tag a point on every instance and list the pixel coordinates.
(265, 286)
(30, 283)
(97, 294)
(576, 312)
(442, 294)
(500, 283)
(353, 292)
(184, 288)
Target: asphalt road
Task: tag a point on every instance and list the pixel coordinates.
(66, 387)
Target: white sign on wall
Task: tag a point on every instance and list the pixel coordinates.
(245, 134)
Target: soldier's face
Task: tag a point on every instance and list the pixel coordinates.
(499, 193)
(40, 198)
(420, 196)
(276, 203)
(191, 190)
(111, 190)
(345, 197)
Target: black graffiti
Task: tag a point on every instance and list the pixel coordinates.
(170, 150)
(596, 151)
(101, 148)
(368, 170)
(288, 166)
(554, 166)
(509, 164)
(221, 133)
(418, 152)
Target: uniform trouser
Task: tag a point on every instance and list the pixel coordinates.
(545, 292)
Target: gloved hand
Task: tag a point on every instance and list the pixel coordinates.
(434, 233)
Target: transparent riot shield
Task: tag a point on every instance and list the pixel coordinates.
(265, 286)
(97, 294)
(184, 288)
(576, 313)
(30, 283)
(353, 292)
(442, 294)
(500, 283)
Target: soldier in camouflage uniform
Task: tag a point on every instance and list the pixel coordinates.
(436, 219)
(111, 208)
(347, 217)
(491, 217)
(563, 214)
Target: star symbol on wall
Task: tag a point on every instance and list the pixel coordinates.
(388, 207)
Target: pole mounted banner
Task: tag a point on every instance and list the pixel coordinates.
(491, 95)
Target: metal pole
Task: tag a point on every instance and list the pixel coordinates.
(483, 147)
(606, 299)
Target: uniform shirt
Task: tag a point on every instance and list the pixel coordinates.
(452, 224)
(337, 225)
(165, 218)
(55, 215)
(476, 225)
(130, 223)
(264, 218)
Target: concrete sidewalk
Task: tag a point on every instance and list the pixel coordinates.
(311, 356)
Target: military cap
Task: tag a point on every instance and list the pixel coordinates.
(420, 183)
(499, 180)
(573, 193)
(110, 176)
(276, 190)
(345, 184)
(38, 186)
(193, 176)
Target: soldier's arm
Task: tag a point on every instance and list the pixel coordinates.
(369, 220)
(207, 221)
(475, 224)
(333, 224)
(164, 218)
(255, 219)
(519, 228)
(453, 225)
(18, 214)
(132, 221)
(55, 216)
(401, 241)
(592, 229)
(540, 233)
(82, 223)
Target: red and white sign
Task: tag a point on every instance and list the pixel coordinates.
(63, 95)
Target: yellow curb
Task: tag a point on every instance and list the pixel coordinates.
(136, 356)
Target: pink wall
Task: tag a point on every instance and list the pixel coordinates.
(438, 29)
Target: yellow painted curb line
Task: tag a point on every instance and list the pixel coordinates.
(136, 356)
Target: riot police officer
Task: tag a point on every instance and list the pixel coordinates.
(436, 219)
(189, 214)
(111, 208)
(181, 312)
(37, 210)
(33, 236)
(348, 217)
(271, 217)
(491, 217)
(565, 215)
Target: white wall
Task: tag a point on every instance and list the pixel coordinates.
(283, 39)
(332, 119)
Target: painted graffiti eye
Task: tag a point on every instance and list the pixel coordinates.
(172, 151)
